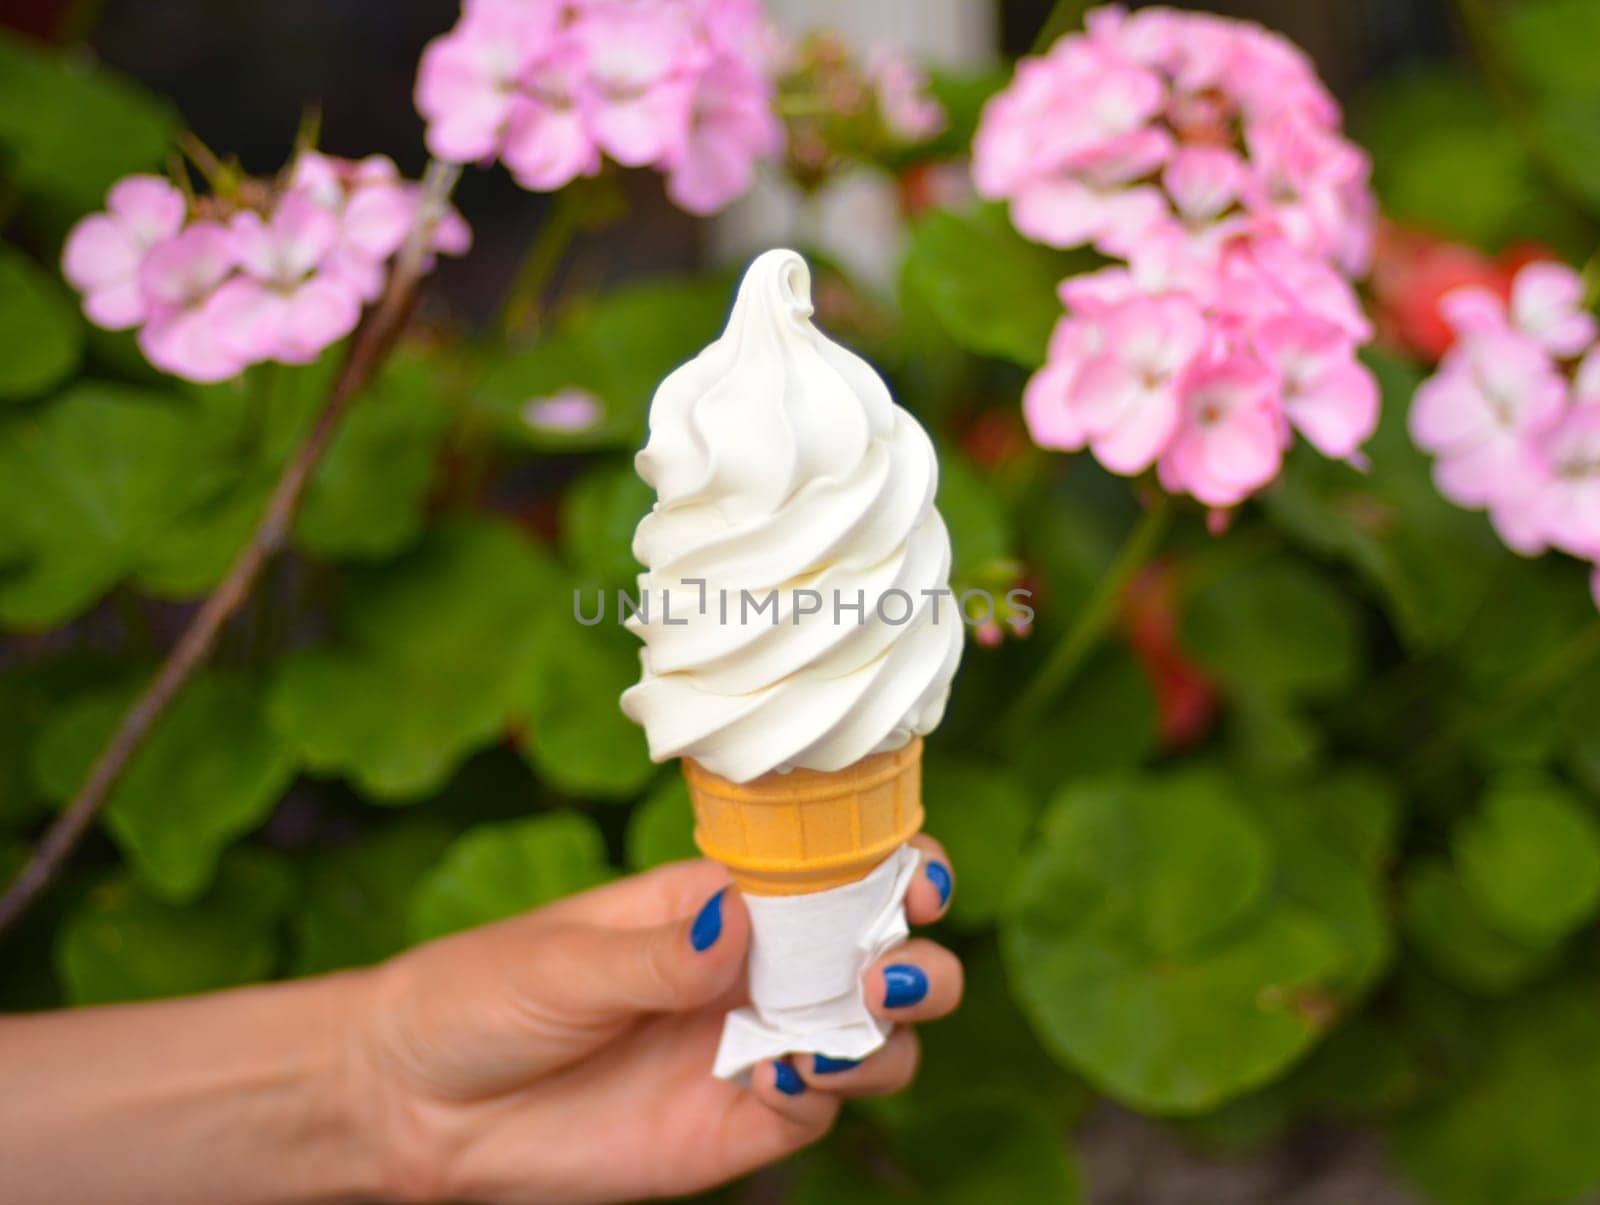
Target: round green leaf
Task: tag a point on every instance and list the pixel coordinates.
(1450, 932)
(41, 337)
(1278, 627)
(86, 485)
(1146, 953)
(598, 515)
(120, 943)
(435, 647)
(1531, 859)
(69, 127)
(496, 870)
(211, 771)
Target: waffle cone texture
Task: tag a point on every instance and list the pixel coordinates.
(808, 830)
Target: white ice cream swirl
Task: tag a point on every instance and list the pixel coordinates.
(781, 463)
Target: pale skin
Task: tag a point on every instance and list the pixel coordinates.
(559, 1057)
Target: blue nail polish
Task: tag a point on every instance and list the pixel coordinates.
(707, 926)
(821, 1064)
(788, 1080)
(939, 875)
(906, 985)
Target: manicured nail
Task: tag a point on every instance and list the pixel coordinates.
(939, 875)
(707, 926)
(821, 1064)
(905, 985)
(788, 1079)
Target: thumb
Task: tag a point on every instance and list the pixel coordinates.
(600, 974)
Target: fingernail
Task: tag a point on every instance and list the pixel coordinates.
(939, 875)
(789, 1081)
(905, 985)
(707, 926)
(821, 1064)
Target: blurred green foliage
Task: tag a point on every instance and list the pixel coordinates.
(1364, 890)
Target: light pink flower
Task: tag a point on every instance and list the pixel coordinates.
(1126, 398)
(1328, 395)
(569, 410)
(911, 114)
(104, 251)
(1228, 441)
(1491, 392)
(1566, 483)
(552, 88)
(731, 128)
(179, 279)
(283, 307)
(1547, 303)
(1047, 401)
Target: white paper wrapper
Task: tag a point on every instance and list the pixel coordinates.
(807, 955)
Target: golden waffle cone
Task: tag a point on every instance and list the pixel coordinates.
(808, 830)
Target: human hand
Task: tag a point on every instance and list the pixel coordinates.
(565, 1056)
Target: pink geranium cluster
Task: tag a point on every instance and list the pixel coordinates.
(224, 283)
(1513, 412)
(552, 86)
(1205, 155)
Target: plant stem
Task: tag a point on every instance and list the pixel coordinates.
(1092, 622)
(561, 224)
(1063, 15)
(370, 347)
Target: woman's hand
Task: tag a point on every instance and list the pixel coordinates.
(565, 1055)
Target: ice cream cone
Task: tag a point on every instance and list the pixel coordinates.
(808, 830)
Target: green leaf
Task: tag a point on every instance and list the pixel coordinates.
(1105, 722)
(434, 649)
(598, 515)
(617, 349)
(577, 738)
(29, 697)
(1429, 560)
(981, 813)
(1276, 626)
(955, 1153)
(211, 771)
(366, 500)
(86, 485)
(496, 870)
(661, 829)
(1517, 1128)
(1531, 859)
(41, 336)
(1452, 935)
(1145, 948)
(69, 128)
(993, 291)
(354, 909)
(123, 944)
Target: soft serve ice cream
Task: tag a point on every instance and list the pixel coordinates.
(797, 573)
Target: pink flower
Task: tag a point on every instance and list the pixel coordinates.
(1229, 441)
(1491, 391)
(569, 410)
(552, 88)
(731, 127)
(1126, 397)
(179, 279)
(1547, 303)
(104, 251)
(909, 112)
(1565, 483)
(283, 307)
(1329, 396)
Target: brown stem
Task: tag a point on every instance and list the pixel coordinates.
(367, 352)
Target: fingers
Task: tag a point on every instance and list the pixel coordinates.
(919, 981)
(929, 895)
(888, 1070)
(594, 975)
(640, 900)
(782, 1088)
